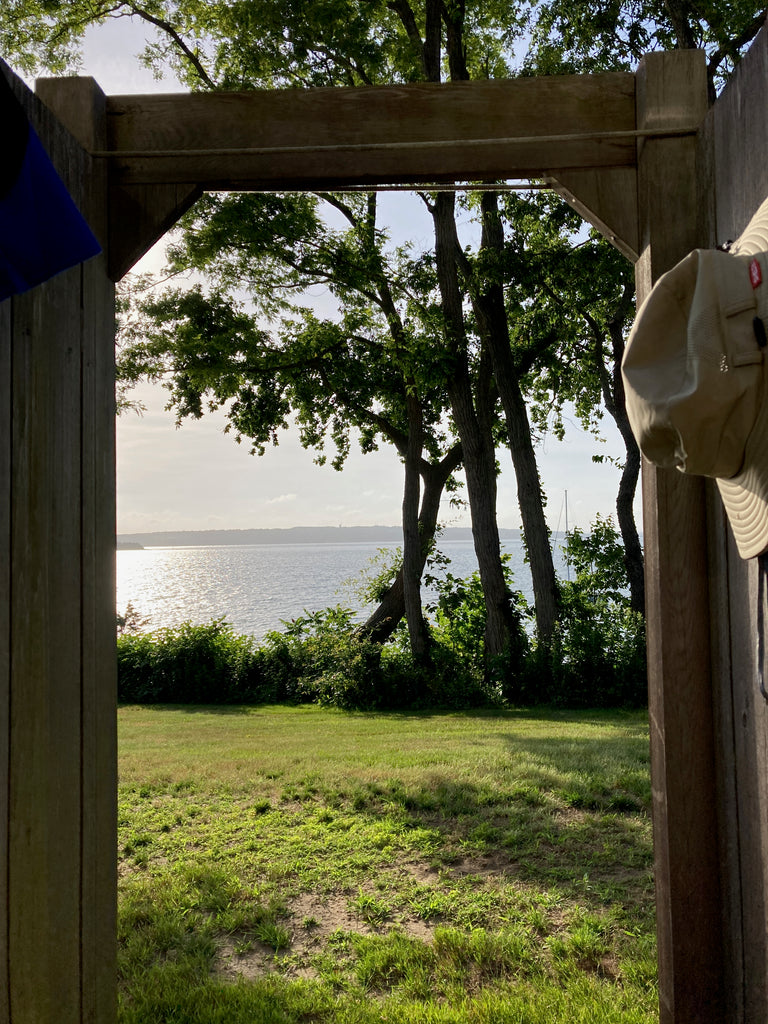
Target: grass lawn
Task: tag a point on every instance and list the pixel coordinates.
(282, 865)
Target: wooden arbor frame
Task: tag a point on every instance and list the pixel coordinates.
(624, 149)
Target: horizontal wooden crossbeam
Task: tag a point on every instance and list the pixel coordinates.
(323, 138)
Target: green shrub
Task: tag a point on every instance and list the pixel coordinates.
(205, 664)
(597, 658)
(460, 630)
(318, 659)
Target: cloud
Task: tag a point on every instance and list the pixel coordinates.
(282, 498)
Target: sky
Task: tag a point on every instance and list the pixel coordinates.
(196, 477)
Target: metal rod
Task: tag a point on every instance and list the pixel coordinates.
(133, 154)
(437, 187)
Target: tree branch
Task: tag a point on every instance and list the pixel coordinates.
(453, 17)
(408, 20)
(736, 44)
(678, 12)
(165, 26)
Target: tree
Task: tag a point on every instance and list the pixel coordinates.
(587, 37)
(570, 300)
(334, 46)
(370, 370)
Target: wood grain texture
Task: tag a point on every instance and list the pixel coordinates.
(45, 813)
(99, 662)
(139, 216)
(5, 634)
(671, 88)
(606, 199)
(135, 217)
(57, 707)
(45, 809)
(383, 134)
(80, 105)
(721, 554)
(732, 169)
(740, 125)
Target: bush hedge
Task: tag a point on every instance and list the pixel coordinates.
(317, 659)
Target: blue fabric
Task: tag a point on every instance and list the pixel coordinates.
(41, 230)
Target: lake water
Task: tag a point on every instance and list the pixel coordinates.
(258, 586)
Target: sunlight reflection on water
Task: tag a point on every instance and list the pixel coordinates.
(257, 586)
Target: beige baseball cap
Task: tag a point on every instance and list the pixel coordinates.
(696, 379)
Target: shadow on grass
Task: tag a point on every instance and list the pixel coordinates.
(569, 812)
(590, 841)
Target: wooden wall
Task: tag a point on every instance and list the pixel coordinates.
(57, 663)
(733, 174)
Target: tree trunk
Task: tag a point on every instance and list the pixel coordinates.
(529, 496)
(489, 305)
(473, 418)
(382, 623)
(633, 551)
(616, 404)
(412, 562)
(480, 470)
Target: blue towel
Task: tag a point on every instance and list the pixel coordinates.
(42, 232)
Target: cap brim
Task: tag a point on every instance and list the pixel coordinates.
(745, 495)
(754, 237)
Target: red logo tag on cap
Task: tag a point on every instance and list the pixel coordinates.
(755, 273)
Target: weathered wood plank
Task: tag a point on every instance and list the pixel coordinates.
(99, 753)
(413, 132)
(721, 553)
(99, 665)
(44, 762)
(5, 635)
(607, 199)
(749, 811)
(741, 134)
(733, 155)
(139, 216)
(80, 105)
(45, 806)
(740, 131)
(45, 791)
(671, 89)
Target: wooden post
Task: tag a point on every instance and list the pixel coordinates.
(80, 105)
(5, 647)
(57, 664)
(671, 92)
(733, 169)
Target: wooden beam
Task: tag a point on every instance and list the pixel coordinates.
(139, 216)
(671, 89)
(320, 138)
(606, 199)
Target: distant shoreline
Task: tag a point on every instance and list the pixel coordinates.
(292, 535)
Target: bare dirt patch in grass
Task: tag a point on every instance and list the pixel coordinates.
(488, 866)
(234, 963)
(312, 921)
